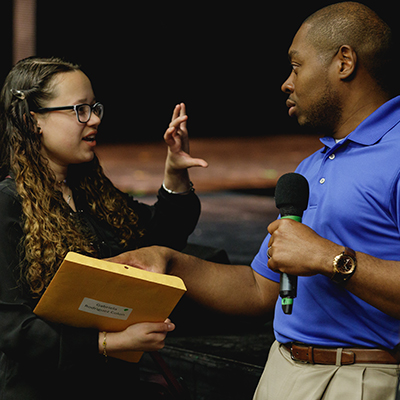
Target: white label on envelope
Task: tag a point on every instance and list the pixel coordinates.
(104, 309)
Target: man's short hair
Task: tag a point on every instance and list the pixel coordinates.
(356, 25)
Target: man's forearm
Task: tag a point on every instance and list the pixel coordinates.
(377, 282)
(231, 289)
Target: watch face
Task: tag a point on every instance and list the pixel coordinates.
(345, 265)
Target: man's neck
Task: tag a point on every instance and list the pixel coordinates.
(356, 112)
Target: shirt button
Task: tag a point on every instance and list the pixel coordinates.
(332, 156)
(322, 180)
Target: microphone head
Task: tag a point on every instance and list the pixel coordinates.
(291, 194)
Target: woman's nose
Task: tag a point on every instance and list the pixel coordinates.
(94, 120)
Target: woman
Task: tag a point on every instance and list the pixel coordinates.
(55, 198)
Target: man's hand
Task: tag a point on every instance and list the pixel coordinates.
(296, 249)
(154, 259)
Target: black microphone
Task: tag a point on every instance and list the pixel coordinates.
(291, 198)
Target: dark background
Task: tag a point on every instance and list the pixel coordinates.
(225, 61)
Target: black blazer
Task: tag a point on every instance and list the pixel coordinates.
(42, 360)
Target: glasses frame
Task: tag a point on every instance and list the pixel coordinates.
(75, 108)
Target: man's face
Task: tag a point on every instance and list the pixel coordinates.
(312, 98)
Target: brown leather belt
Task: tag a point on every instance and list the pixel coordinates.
(340, 356)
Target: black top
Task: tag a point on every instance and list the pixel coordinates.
(42, 360)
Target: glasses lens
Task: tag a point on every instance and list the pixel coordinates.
(98, 109)
(83, 113)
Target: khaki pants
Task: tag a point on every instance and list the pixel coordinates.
(285, 379)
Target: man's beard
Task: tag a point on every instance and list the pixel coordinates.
(324, 115)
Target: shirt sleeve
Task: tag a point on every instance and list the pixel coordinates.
(260, 262)
(395, 202)
(24, 337)
(170, 221)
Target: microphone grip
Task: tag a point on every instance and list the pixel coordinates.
(288, 291)
(288, 283)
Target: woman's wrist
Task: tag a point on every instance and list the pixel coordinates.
(191, 189)
(107, 343)
(177, 182)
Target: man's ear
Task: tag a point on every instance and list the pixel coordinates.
(347, 62)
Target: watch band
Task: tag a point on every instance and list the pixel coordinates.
(350, 252)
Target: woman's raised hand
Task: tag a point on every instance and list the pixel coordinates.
(178, 158)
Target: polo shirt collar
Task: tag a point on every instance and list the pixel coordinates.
(374, 127)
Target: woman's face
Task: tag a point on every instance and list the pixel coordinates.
(65, 140)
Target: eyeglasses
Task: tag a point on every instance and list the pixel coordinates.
(83, 111)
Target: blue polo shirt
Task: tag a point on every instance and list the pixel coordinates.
(355, 202)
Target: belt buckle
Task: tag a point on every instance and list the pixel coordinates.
(310, 352)
(297, 360)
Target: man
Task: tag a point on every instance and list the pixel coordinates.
(339, 340)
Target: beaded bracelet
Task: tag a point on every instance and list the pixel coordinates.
(105, 345)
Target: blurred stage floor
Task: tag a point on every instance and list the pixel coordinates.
(234, 163)
(219, 359)
(233, 216)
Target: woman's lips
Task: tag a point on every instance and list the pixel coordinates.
(90, 139)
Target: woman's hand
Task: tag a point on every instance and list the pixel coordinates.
(178, 159)
(143, 336)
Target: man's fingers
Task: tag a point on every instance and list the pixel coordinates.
(273, 226)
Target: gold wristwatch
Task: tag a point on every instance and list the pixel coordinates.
(344, 266)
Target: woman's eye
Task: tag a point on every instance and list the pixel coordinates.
(83, 110)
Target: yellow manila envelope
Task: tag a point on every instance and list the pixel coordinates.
(90, 293)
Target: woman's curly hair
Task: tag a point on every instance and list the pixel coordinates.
(49, 230)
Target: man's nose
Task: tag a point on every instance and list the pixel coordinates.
(288, 86)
